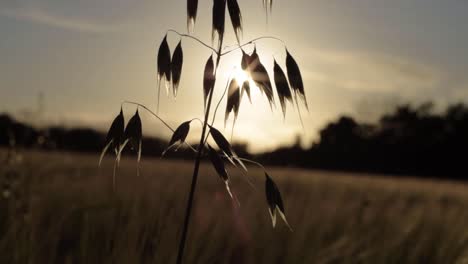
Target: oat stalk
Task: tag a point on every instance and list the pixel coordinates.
(169, 70)
(196, 168)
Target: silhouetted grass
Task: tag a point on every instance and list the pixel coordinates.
(72, 215)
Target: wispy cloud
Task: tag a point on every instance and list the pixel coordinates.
(37, 15)
(370, 72)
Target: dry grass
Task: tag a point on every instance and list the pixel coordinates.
(72, 216)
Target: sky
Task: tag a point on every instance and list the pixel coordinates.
(77, 61)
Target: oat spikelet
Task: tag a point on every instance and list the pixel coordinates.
(179, 136)
(236, 17)
(133, 136)
(225, 147)
(163, 66)
(220, 169)
(282, 87)
(219, 13)
(192, 6)
(208, 79)
(246, 89)
(262, 80)
(176, 67)
(295, 78)
(114, 135)
(233, 100)
(274, 200)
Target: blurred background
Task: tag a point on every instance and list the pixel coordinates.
(385, 82)
(376, 173)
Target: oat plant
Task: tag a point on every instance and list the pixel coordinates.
(289, 88)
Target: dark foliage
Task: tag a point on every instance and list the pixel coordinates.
(409, 141)
(15, 132)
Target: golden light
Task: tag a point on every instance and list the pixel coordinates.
(256, 117)
(240, 75)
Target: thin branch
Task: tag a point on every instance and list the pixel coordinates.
(219, 102)
(224, 94)
(251, 42)
(217, 105)
(194, 38)
(253, 162)
(151, 112)
(196, 168)
(198, 119)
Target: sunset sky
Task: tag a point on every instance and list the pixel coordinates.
(357, 57)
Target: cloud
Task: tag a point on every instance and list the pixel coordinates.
(40, 16)
(371, 72)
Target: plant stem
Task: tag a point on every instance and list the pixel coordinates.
(196, 168)
(251, 42)
(194, 38)
(149, 111)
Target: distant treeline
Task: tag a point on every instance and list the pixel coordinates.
(409, 141)
(85, 140)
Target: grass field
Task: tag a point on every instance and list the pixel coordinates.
(61, 209)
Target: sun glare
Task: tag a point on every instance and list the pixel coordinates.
(240, 75)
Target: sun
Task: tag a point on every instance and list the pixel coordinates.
(240, 75)
(234, 71)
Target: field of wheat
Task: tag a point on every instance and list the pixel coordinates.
(60, 208)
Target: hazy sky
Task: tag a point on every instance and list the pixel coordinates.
(357, 57)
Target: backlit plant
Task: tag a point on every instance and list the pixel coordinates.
(289, 88)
